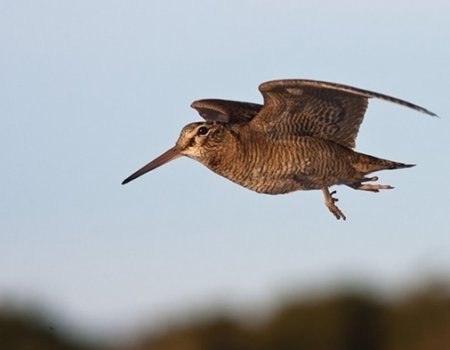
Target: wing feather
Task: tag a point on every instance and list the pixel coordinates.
(315, 108)
(226, 111)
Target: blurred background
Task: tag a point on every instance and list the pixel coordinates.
(182, 258)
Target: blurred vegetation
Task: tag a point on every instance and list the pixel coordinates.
(345, 321)
(29, 331)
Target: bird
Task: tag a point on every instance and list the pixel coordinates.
(301, 138)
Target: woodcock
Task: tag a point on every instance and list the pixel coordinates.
(302, 138)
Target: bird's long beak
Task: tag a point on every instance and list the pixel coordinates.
(167, 156)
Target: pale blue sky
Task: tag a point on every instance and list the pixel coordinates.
(92, 90)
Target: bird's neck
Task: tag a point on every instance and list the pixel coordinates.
(230, 157)
(223, 154)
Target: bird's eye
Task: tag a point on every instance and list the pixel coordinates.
(203, 131)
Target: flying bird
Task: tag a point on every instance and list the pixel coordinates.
(301, 138)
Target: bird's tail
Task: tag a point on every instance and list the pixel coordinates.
(367, 164)
(398, 165)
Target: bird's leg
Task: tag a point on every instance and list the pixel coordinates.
(369, 187)
(329, 202)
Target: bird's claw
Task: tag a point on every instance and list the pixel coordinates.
(332, 198)
(336, 212)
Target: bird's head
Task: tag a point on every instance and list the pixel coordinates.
(196, 141)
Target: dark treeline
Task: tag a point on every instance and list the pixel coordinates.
(347, 321)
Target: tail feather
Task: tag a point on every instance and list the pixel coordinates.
(367, 164)
(398, 165)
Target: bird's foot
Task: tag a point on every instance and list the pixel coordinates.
(330, 203)
(374, 188)
(367, 179)
(369, 187)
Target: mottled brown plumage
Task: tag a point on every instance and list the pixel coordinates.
(300, 139)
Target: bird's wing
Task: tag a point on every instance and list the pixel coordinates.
(315, 108)
(226, 111)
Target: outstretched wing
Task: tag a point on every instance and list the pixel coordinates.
(315, 108)
(226, 111)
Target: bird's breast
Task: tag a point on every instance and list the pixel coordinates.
(267, 166)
